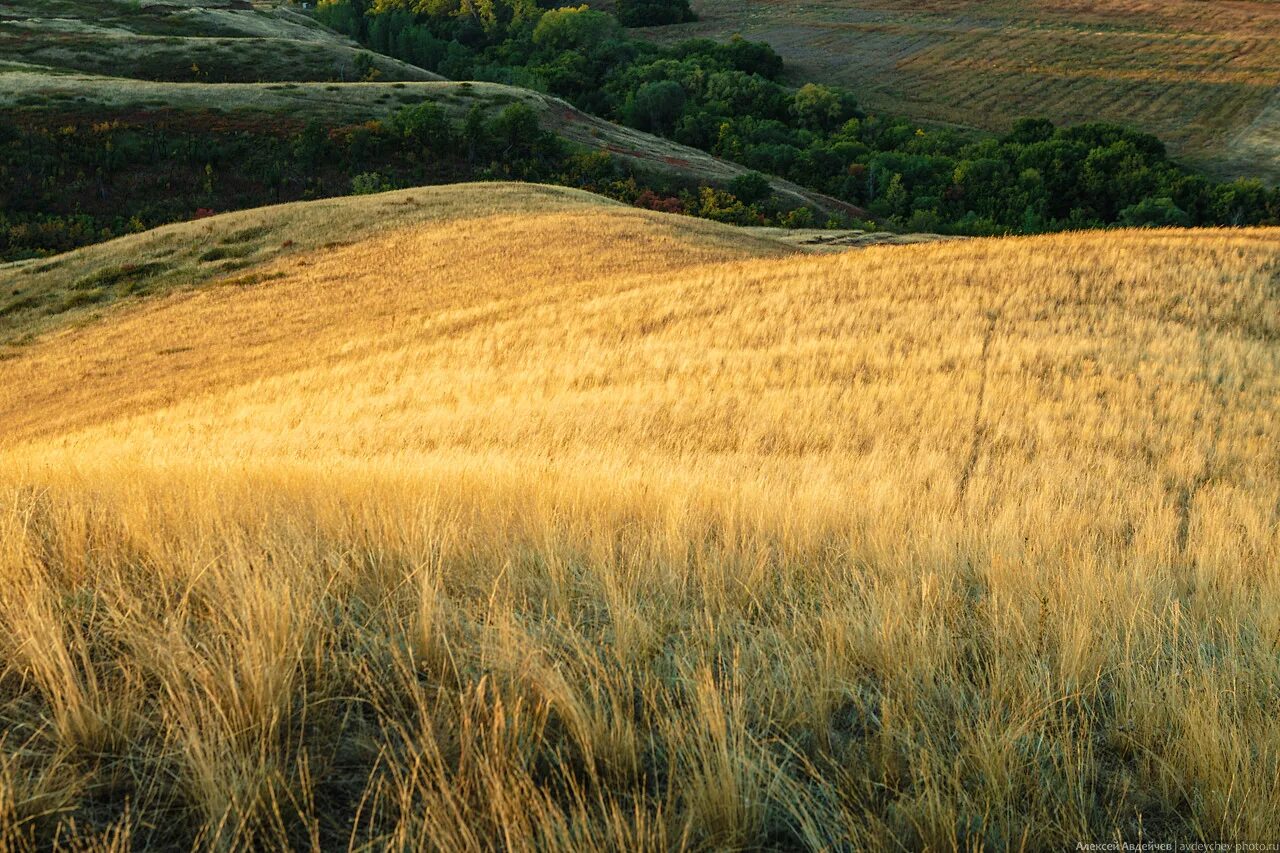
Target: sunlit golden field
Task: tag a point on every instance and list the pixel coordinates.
(580, 527)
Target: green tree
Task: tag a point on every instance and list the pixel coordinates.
(574, 28)
(1027, 131)
(1241, 202)
(753, 57)
(516, 131)
(1154, 213)
(751, 187)
(1115, 177)
(656, 106)
(820, 108)
(368, 183)
(342, 15)
(654, 13)
(474, 133)
(735, 93)
(895, 201)
(425, 124)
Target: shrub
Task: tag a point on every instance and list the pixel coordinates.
(650, 200)
(800, 217)
(365, 69)
(574, 29)
(751, 187)
(657, 106)
(654, 13)
(111, 276)
(425, 124)
(724, 207)
(368, 183)
(1154, 213)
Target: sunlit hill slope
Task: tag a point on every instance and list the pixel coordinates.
(531, 520)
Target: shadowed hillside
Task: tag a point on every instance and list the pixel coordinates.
(213, 41)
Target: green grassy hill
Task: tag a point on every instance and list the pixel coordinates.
(215, 42)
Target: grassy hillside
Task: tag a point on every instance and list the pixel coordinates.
(1204, 76)
(39, 296)
(217, 42)
(81, 96)
(538, 521)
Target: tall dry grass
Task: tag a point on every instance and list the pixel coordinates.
(599, 530)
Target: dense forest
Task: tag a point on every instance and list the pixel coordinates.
(728, 98)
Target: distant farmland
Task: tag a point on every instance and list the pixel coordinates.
(1204, 76)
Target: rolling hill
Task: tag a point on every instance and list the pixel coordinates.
(239, 82)
(28, 90)
(212, 41)
(520, 515)
(1204, 76)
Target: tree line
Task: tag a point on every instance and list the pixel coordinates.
(728, 99)
(71, 179)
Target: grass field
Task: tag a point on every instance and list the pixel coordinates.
(545, 523)
(1203, 76)
(40, 296)
(211, 41)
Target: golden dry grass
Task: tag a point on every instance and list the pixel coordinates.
(593, 528)
(41, 295)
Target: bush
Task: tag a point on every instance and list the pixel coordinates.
(1154, 213)
(365, 69)
(425, 124)
(574, 29)
(654, 13)
(656, 107)
(822, 108)
(724, 207)
(752, 187)
(369, 183)
(800, 217)
(666, 204)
